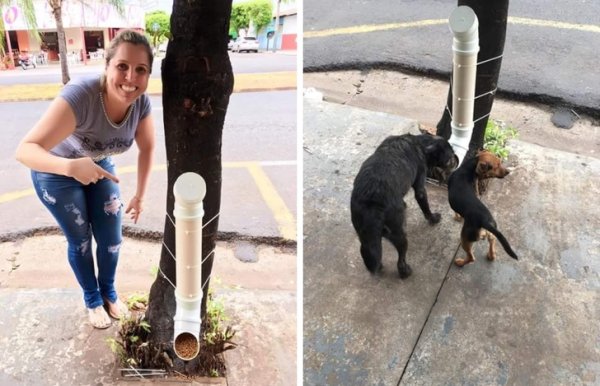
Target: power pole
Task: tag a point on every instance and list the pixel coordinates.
(276, 34)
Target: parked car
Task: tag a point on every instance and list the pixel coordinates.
(247, 43)
(230, 44)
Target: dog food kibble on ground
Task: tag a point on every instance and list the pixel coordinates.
(186, 346)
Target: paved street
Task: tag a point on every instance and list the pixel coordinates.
(242, 63)
(259, 150)
(549, 53)
(259, 176)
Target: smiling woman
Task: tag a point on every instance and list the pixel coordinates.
(69, 152)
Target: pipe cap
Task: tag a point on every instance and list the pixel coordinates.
(189, 189)
(463, 23)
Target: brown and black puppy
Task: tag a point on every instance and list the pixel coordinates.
(377, 202)
(478, 221)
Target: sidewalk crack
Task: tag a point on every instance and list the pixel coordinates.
(412, 352)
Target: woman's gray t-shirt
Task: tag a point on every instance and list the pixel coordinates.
(94, 135)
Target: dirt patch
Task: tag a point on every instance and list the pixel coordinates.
(41, 262)
(424, 99)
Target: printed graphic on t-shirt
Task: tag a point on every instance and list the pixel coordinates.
(115, 143)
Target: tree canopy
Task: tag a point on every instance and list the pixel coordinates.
(257, 12)
(157, 26)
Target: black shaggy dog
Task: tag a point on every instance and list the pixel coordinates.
(377, 202)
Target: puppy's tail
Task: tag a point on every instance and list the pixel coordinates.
(502, 240)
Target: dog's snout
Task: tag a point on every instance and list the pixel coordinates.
(503, 172)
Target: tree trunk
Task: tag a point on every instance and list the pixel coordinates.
(492, 17)
(56, 6)
(197, 81)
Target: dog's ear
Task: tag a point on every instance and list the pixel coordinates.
(432, 148)
(482, 167)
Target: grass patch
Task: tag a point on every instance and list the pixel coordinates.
(497, 134)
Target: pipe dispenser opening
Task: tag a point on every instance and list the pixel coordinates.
(189, 191)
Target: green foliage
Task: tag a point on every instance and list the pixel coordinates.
(28, 10)
(215, 317)
(117, 349)
(259, 12)
(161, 20)
(497, 133)
(131, 344)
(239, 17)
(137, 300)
(2, 35)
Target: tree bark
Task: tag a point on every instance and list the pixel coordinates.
(492, 16)
(197, 81)
(56, 6)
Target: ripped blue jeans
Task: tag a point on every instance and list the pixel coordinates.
(82, 211)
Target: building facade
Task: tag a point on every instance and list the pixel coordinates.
(89, 26)
(288, 27)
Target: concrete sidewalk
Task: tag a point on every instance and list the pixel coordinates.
(526, 322)
(46, 339)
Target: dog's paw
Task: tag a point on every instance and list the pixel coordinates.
(462, 262)
(491, 256)
(404, 271)
(376, 269)
(434, 218)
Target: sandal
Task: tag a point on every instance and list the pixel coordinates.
(99, 318)
(123, 311)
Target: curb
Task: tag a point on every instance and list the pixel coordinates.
(244, 90)
(531, 97)
(248, 82)
(153, 236)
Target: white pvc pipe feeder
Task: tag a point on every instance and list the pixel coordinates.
(465, 46)
(189, 191)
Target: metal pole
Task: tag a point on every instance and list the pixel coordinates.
(276, 34)
(464, 25)
(189, 191)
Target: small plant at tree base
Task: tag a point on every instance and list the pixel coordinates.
(132, 347)
(497, 133)
(137, 301)
(216, 338)
(130, 344)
